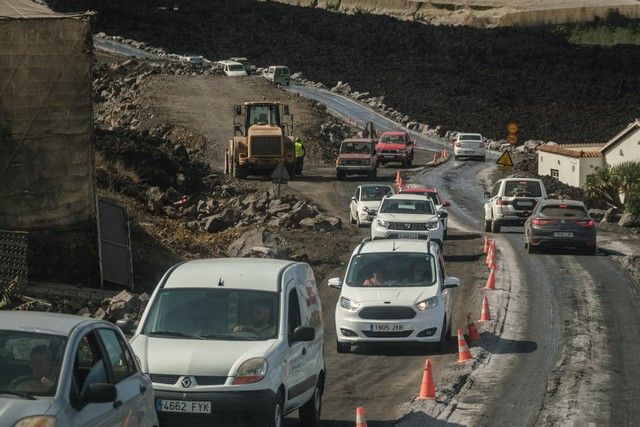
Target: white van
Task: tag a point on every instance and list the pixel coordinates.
(278, 74)
(234, 338)
(232, 68)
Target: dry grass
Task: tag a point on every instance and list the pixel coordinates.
(116, 168)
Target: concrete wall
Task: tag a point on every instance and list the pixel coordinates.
(47, 182)
(624, 151)
(572, 171)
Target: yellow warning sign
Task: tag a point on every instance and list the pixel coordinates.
(512, 139)
(505, 160)
(512, 127)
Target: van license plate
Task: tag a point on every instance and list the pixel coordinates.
(187, 406)
(387, 327)
(563, 234)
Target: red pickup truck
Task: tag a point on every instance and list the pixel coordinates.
(395, 147)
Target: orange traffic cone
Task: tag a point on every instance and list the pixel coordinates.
(474, 335)
(485, 314)
(360, 419)
(446, 154)
(427, 389)
(485, 249)
(489, 250)
(491, 257)
(463, 349)
(398, 179)
(491, 280)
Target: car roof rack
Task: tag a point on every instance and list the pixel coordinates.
(365, 240)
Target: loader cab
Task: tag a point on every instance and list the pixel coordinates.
(262, 114)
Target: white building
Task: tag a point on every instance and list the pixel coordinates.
(572, 164)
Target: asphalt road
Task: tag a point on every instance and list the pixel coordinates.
(580, 324)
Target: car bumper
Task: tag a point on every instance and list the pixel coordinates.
(548, 238)
(436, 234)
(467, 152)
(229, 408)
(392, 157)
(512, 217)
(355, 169)
(426, 327)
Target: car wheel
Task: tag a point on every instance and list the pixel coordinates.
(310, 411)
(343, 347)
(277, 418)
(339, 175)
(405, 164)
(358, 222)
(530, 248)
(443, 344)
(371, 176)
(495, 226)
(487, 225)
(375, 173)
(483, 158)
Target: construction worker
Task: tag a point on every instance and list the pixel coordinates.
(300, 152)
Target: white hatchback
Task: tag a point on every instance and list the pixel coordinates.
(469, 145)
(365, 202)
(407, 215)
(394, 291)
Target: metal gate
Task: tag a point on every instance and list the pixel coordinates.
(115, 243)
(13, 258)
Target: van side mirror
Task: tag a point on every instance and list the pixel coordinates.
(303, 333)
(451, 282)
(285, 110)
(487, 195)
(125, 325)
(237, 109)
(335, 282)
(100, 393)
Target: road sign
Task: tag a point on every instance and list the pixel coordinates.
(505, 159)
(280, 176)
(512, 127)
(512, 139)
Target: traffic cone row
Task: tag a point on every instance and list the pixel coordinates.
(491, 280)
(485, 314)
(491, 255)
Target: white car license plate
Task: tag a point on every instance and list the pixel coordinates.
(387, 327)
(525, 203)
(563, 234)
(187, 406)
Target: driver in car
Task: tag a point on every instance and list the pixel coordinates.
(259, 322)
(42, 378)
(377, 279)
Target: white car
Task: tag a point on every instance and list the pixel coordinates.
(469, 145)
(69, 371)
(234, 338)
(365, 202)
(432, 194)
(511, 201)
(232, 68)
(394, 291)
(278, 74)
(411, 215)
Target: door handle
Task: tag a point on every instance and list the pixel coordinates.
(304, 351)
(117, 404)
(143, 388)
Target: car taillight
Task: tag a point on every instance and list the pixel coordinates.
(499, 202)
(538, 221)
(587, 223)
(481, 145)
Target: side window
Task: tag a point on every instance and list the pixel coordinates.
(293, 311)
(89, 367)
(122, 362)
(495, 189)
(443, 272)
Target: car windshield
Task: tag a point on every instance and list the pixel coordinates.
(371, 193)
(466, 137)
(398, 269)
(215, 314)
(355, 147)
(236, 67)
(563, 211)
(30, 362)
(393, 139)
(407, 206)
(259, 114)
(525, 188)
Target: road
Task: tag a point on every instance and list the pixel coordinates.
(567, 352)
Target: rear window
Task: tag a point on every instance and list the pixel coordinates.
(564, 211)
(394, 139)
(236, 67)
(356, 147)
(465, 137)
(522, 188)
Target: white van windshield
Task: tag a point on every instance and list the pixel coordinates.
(400, 269)
(236, 67)
(215, 314)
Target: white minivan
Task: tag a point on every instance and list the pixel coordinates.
(234, 341)
(278, 74)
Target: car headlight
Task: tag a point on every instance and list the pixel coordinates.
(432, 225)
(37, 421)
(349, 305)
(427, 303)
(251, 371)
(383, 224)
